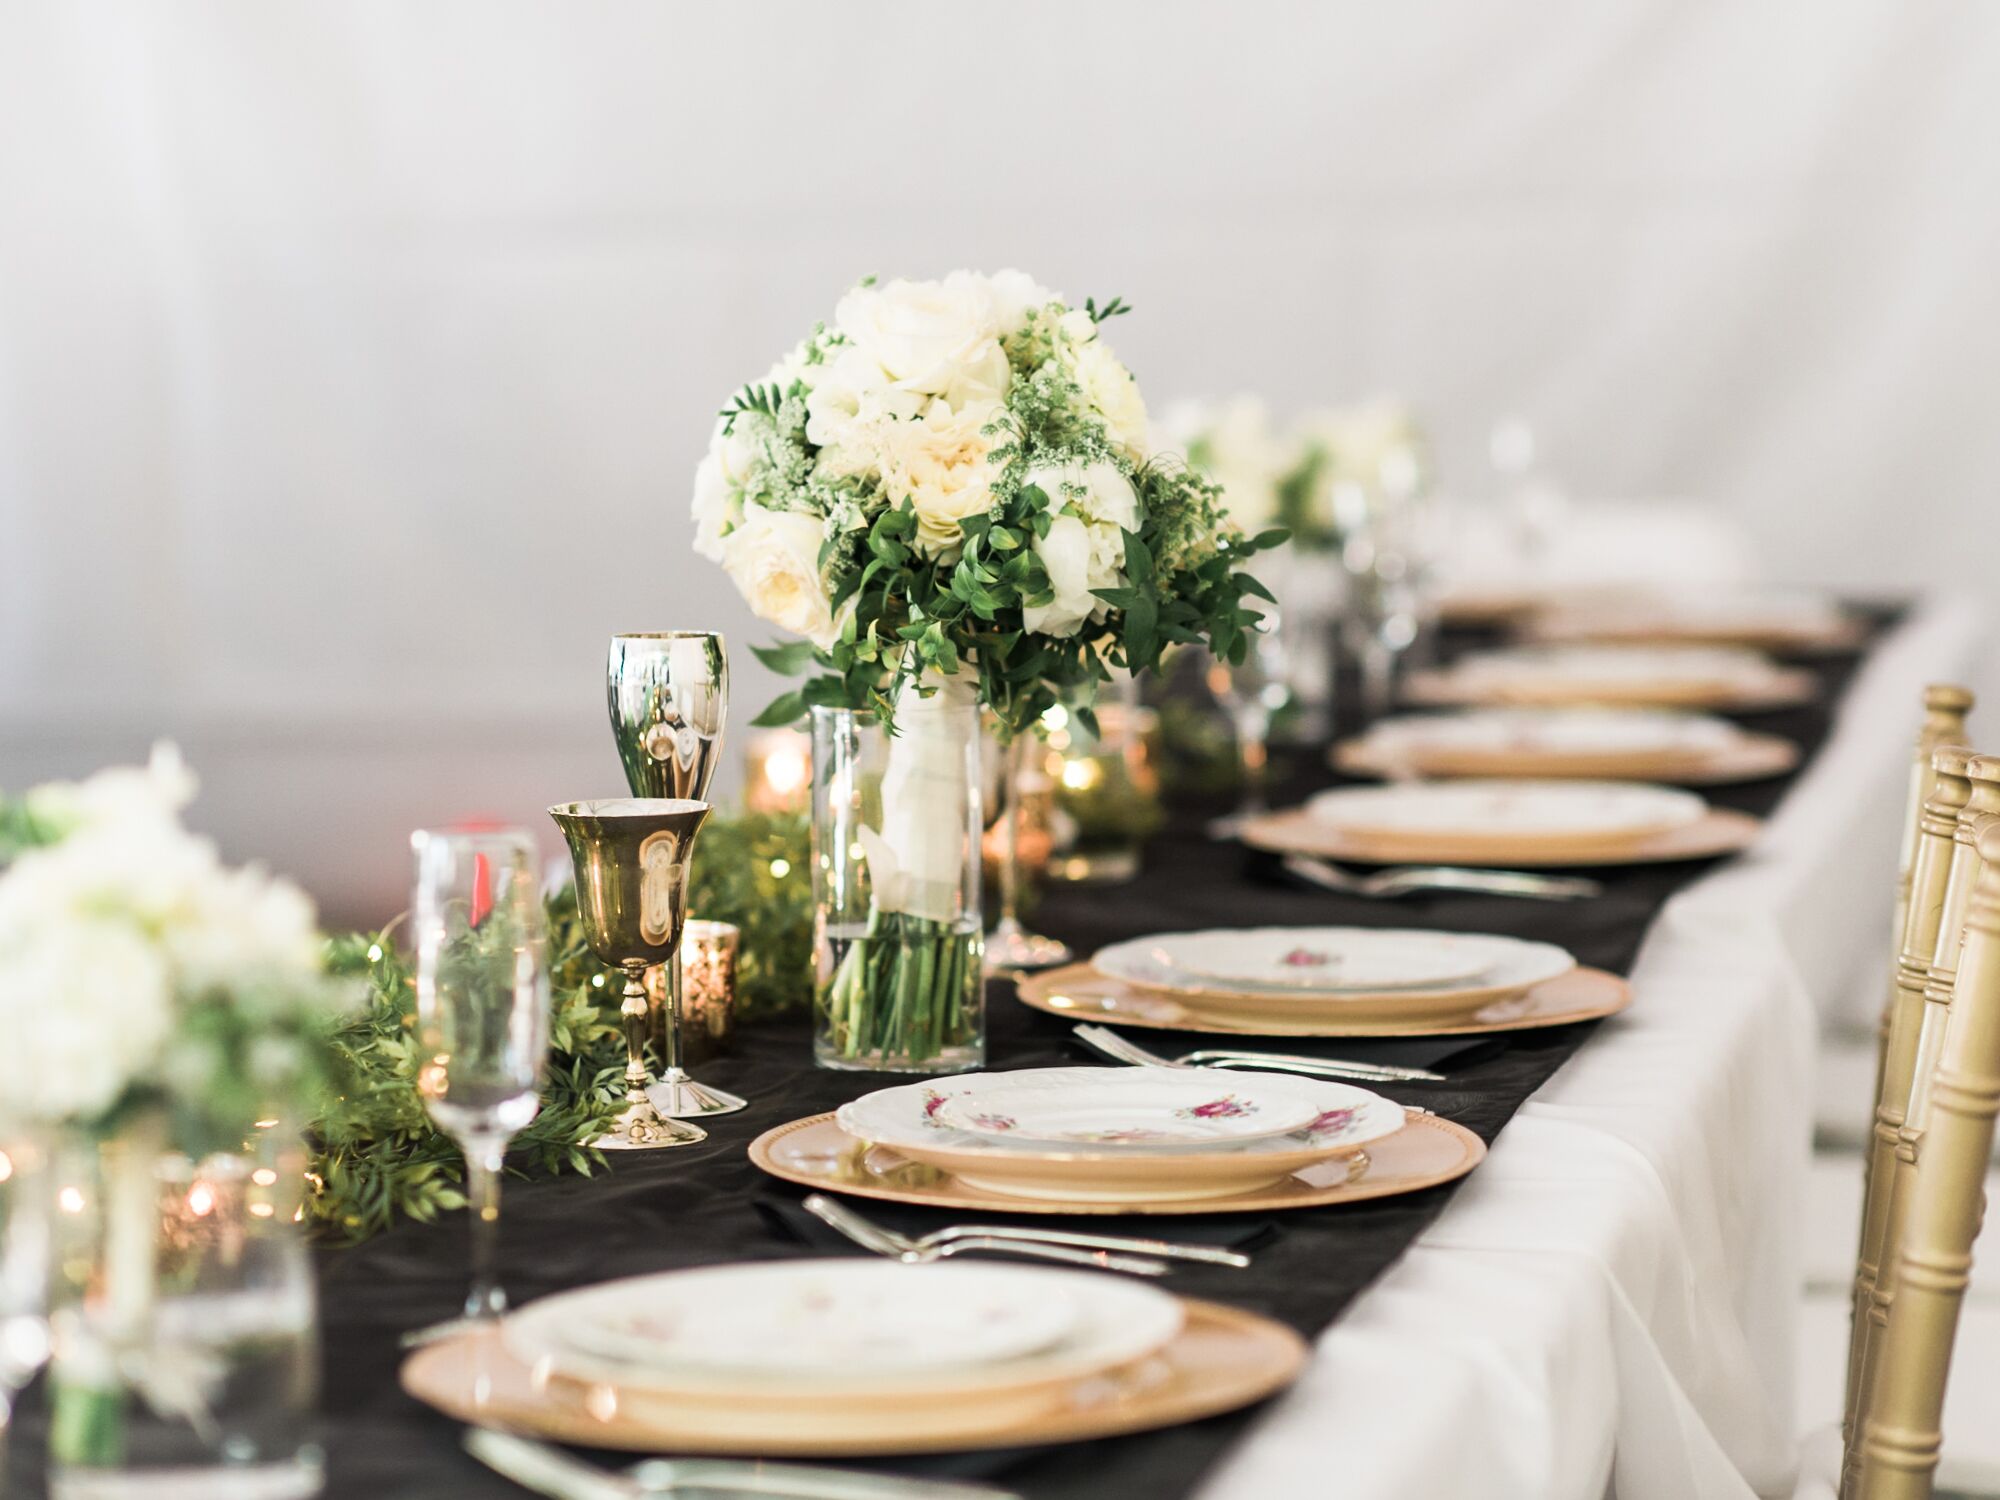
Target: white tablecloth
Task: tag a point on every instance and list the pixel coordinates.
(1608, 1304)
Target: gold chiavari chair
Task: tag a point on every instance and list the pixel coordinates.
(1930, 870)
(1901, 1421)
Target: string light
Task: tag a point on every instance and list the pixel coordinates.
(374, 953)
(781, 868)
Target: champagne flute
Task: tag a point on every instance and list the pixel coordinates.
(668, 692)
(1010, 946)
(1251, 693)
(482, 1021)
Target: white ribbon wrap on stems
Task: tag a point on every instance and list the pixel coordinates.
(917, 861)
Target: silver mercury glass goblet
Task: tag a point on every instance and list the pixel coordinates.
(631, 856)
(668, 691)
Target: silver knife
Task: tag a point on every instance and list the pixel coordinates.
(548, 1470)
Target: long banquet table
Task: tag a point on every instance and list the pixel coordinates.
(1605, 1303)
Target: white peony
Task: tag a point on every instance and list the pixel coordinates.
(933, 338)
(1110, 391)
(773, 558)
(941, 464)
(1092, 507)
(86, 1006)
(1015, 294)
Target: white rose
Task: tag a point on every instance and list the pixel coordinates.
(773, 557)
(936, 338)
(86, 1007)
(1108, 388)
(941, 464)
(851, 400)
(1093, 507)
(1016, 294)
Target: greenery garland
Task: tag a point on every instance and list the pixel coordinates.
(376, 1156)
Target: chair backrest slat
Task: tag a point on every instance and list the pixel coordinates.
(1930, 871)
(1902, 1417)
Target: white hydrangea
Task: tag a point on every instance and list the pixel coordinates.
(106, 933)
(86, 1007)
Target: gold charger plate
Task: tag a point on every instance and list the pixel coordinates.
(1078, 992)
(1298, 832)
(1222, 1359)
(1786, 688)
(1561, 627)
(817, 1153)
(1753, 757)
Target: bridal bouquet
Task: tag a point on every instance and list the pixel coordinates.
(948, 492)
(140, 974)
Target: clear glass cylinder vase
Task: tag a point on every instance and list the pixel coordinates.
(897, 947)
(185, 1324)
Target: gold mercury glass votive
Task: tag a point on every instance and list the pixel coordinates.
(708, 986)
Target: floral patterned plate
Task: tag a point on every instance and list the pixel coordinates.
(1307, 960)
(1142, 1107)
(906, 1119)
(805, 1325)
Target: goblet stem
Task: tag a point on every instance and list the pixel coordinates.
(484, 1156)
(633, 1014)
(1254, 735)
(670, 1030)
(1010, 837)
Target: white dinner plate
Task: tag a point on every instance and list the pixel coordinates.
(1505, 809)
(1617, 666)
(1148, 1108)
(1556, 731)
(861, 1328)
(1302, 960)
(1485, 965)
(906, 1119)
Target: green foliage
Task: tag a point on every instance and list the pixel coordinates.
(1116, 307)
(376, 1156)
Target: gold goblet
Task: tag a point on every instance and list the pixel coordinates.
(668, 692)
(631, 856)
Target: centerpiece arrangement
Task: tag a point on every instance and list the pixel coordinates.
(948, 492)
(167, 1018)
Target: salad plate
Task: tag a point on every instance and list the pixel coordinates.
(1797, 621)
(869, 1333)
(1330, 962)
(1136, 1107)
(1556, 815)
(907, 1119)
(1617, 743)
(1675, 676)
(1080, 993)
(1492, 968)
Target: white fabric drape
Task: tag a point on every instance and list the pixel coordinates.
(1608, 1303)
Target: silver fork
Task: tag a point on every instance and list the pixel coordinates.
(1406, 879)
(1121, 1048)
(837, 1215)
(548, 1470)
(901, 1247)
(871, 1236)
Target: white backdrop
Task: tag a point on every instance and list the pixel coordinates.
(354, 358)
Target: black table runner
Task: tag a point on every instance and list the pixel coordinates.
(701, 1205)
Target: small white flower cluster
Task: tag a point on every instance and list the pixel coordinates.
(110, 932)
(909, 398)
(1295, 475)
